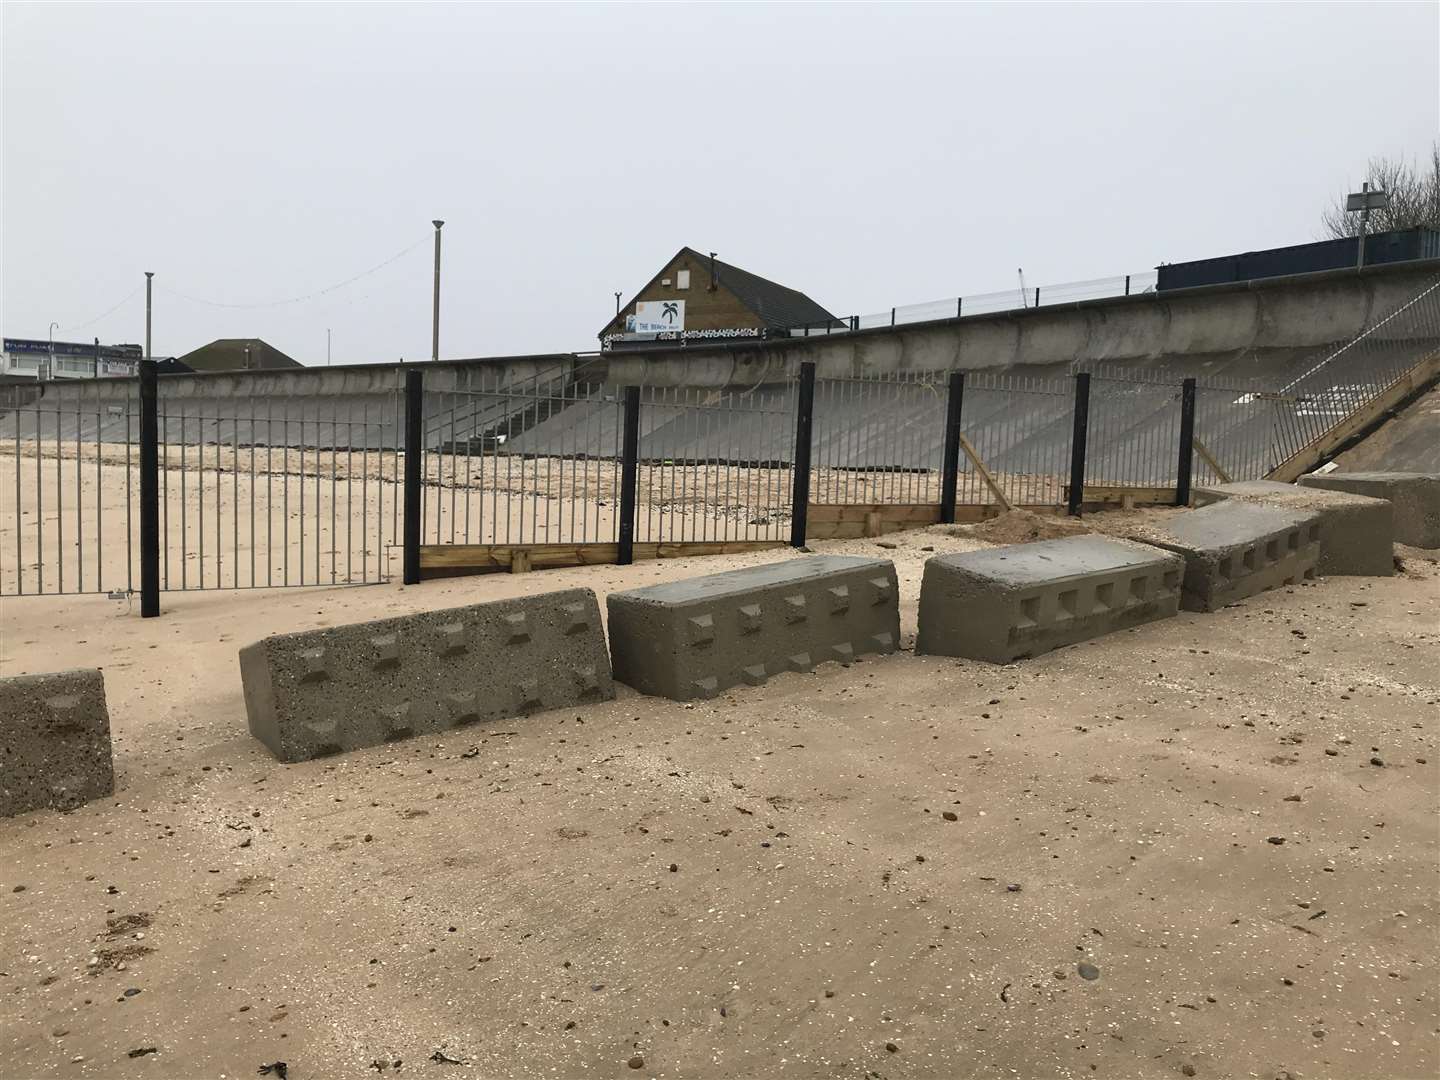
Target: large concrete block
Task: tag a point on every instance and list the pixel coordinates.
(54, 741)
(321, 692)
(1009, 603)
(694, 638)
(1357, 533)
(1235, 549)
(1415, 496)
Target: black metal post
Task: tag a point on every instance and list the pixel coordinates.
(1187, 443)
(629, 475)
(1127, 284)
(892, 316)
(149, 492)
(1037, 295)
(414, 451)
(804, 415)
(959, 306)
(1077, 443)
(950, 466)
(854, 322)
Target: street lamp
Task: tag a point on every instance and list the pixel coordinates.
(1364, 201)
(435, 319)
(50, 370)
(617, 303)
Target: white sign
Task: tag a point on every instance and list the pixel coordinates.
(658, 316)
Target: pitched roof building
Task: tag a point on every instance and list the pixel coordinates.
(236, 354)
(697, 296)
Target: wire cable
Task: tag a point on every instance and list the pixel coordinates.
(108, 311)
(306, 296)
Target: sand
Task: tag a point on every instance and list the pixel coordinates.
(760, 885)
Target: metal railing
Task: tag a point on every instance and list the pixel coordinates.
(992, 303)
(258, 492)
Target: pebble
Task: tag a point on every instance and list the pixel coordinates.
(950, 815)
(1187, 1070)
(18, 888)
(1087, 971)
(636, 1062)
(132, 991)
(1277, 840)
(1378, 762)
(1014, 886)
(892, 1048)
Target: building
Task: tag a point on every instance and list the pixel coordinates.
(696, 296)
(235, 354)
(28, 360)
(1405, 244)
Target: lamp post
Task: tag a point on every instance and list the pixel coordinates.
(617, 303)
(50, 369)
(1364, 201)
(327, 346)
(435, 328)
(148, 275)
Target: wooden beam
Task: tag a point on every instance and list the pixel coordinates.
(1105, 494)
(1200, 449)
(849, 521)
(1307, 458)
(984, 473)
(448, 560)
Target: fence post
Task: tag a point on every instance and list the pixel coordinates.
(804, 415)
(1077, 443)
(959, 306)
(149, 492)
(1037, 295)
(1187, 443)
(629, 475)
(1127, 284)
(414, 452)
(950, 465)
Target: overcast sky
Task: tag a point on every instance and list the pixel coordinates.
(866, 155)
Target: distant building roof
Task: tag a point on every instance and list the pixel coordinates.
(776, 305)
(772, 305)
(237, 354)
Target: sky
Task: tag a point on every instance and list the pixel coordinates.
(256, 156)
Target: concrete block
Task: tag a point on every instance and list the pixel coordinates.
(322, 692)
(54, 741)
(1005, 604)
(697, 637)
(1357, 533)
(1415, 496)
(1235, 549)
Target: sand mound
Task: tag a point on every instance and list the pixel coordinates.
(1026, 526)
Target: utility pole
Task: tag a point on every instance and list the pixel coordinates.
(148, 275)
(1364, 201)
(435, 331)
(1364, 220)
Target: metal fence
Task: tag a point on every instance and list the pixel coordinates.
(271, 491)
(1019, 298)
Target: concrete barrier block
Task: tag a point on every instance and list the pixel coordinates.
(54, 741)
(1415, 497)
(1235, 549)
(322, 692)
(1009, 603)
(1357, 533)
(695, 638)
